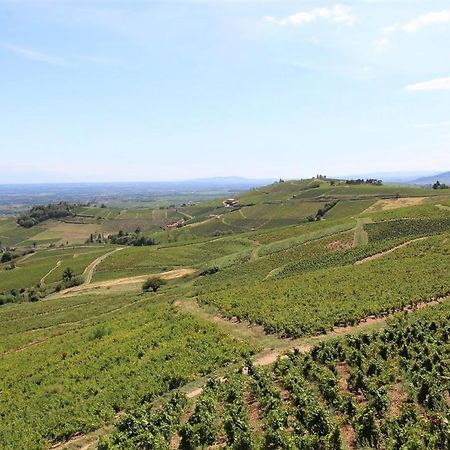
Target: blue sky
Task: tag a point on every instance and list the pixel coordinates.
(126, 90)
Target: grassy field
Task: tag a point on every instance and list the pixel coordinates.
(29, 272)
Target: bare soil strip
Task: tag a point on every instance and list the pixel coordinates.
(386, 252)
(360, 236)
(89, 271)
(394, 203)
(42, 280)
(169, 275)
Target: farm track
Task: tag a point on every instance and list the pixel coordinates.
(391, 250)
(42, 280)
(84, 288)
(264, 358)
(360, 235)
(89, 271)
(185, 215)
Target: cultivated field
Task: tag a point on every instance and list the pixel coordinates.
(352, 282)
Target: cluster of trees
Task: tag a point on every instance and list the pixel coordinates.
(10, 255)
(322, 211)
(40, 213)
(69, 279)
(373, 181)
(136, 239)
(36, 293)
(439, 185)
(21, 295)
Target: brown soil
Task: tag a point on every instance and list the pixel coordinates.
(348, 436)
(338, 245)
(394, 203)
(398, 397)
(169, 275)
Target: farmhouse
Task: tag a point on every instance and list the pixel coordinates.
(231, 202)
(178, 224)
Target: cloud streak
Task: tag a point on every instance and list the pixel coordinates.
(432, 125)
(34, 55)
(437, 84)
(420, 22)
(337, 14)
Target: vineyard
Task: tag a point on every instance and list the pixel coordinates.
(294, 265)
(83, 363)
(318, 300)
(388, 389)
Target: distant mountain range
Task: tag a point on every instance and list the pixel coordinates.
(410, 178)
(443, 177)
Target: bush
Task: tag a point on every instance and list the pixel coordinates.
(209, 271)
(153, 284)
(6, 257)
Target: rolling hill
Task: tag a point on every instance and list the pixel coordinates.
(300, 314)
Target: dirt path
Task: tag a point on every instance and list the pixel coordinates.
(89, 271)
(169, 275)
(443, 207)
(264, 358)
(42, 280)
(360, 236)
(386, 252)
(186, 215)
(24, 258)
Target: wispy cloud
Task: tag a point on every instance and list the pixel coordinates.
(34, 55)
(413, 26)
(338, 14)
(438, 84)
(423, 21)
(71, 62)
(432, 124)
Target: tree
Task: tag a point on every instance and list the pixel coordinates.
(68, 275)
(7, 256)
(153, 284)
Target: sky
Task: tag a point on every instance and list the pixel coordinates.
(148, 90)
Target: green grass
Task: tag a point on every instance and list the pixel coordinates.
(29, 272)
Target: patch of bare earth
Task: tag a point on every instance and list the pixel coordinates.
(348, 436)
(255, 413)
(338, 245)
(447, 397)
(175, 442)
(398, 397)
(169, 275)
(347, 430)
(394, 203)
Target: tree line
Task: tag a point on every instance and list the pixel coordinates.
(39, 213)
